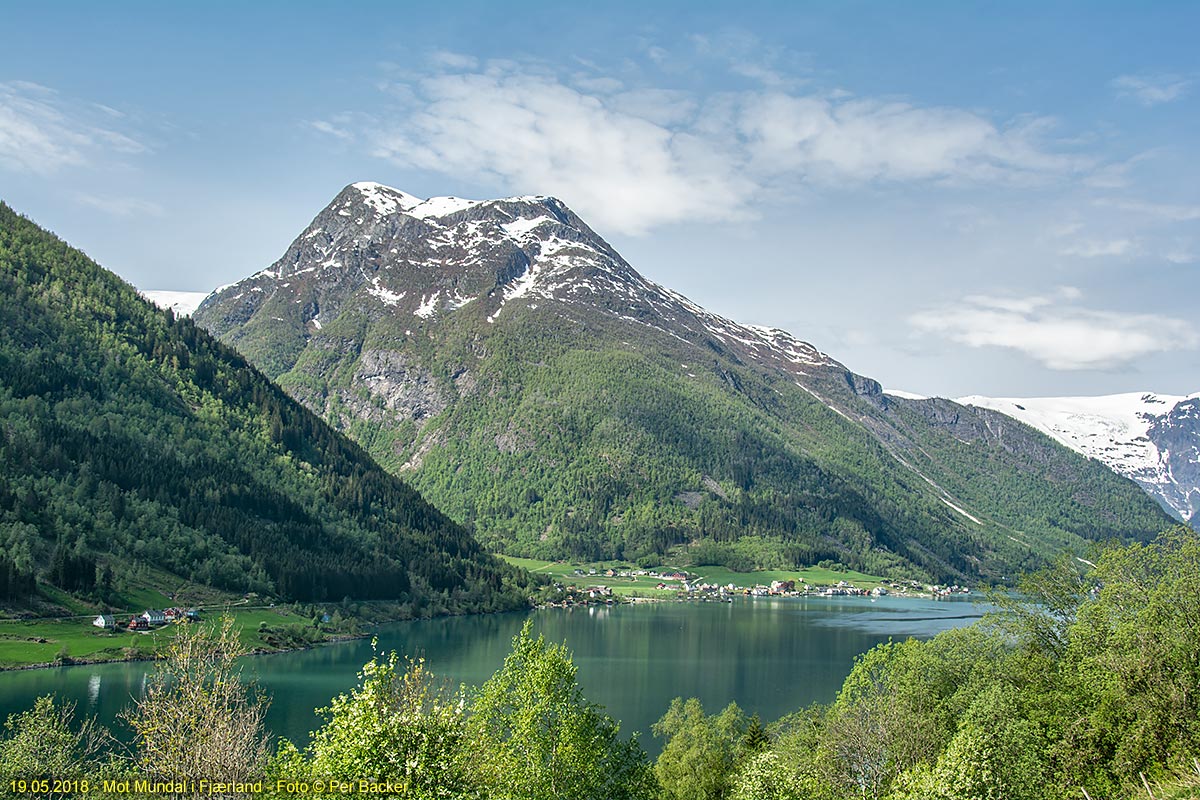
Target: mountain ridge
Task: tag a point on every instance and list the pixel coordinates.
(131, 439)
(510, 362)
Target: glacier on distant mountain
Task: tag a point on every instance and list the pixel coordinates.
(182, 303)
(1151, 438)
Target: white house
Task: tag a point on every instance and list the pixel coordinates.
(154, 617)
(105, 621)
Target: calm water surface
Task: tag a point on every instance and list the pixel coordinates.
(772, 656)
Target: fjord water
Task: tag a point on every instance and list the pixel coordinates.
(771, 655)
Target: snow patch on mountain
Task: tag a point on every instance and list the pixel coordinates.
(905, 395)
(181, 303)
(440, 207)
(384, 199)
(428, 306)
(385, 296)
(521, 227)
(963, 511)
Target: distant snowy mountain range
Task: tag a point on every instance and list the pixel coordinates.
(1152, 438)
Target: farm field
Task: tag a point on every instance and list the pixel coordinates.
(67, 640)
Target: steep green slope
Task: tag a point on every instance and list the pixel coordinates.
(536, 387)
(565, 439)
(130, 440)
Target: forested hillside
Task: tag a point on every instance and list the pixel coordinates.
(132, 441)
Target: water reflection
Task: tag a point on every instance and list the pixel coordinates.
(772, 655)
(93, 691)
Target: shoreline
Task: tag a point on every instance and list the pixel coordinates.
(341, 638)
(370, 629)
(84, 661)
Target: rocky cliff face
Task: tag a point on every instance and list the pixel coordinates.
(531, 382)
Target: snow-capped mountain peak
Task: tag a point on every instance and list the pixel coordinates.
(429, 257)
(1152, 438)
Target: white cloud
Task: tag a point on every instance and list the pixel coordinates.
(1015, 305)
(445, 58)
(122, 206)
(864, 139)
(1180, 254)
(630, 159)
(614, 162)
(1056, 332)
(332, 129)
(747, 55)
(1098, 248)
(1151, 90)
(599, 85)
(41, 132)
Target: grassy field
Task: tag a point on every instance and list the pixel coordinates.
(24, 643)
(813, 576)
(63, 632)
(565, 572)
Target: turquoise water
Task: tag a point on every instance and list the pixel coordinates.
(770, 655)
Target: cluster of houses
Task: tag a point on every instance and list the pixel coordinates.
(692, 588)
(634, 573)
(788, 588)
(583, 596)
(151, 618)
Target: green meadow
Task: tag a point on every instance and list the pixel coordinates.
(644, 585)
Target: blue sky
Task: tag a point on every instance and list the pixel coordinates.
(954, 198)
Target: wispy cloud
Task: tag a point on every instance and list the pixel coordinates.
(863, 139)
(634, 158)
(121, 206)
(334, 128)
(1098, 248)
(1151, 90)
(1180, 255)
(612, 157)
(41, 132)
(748, 56)
(1165, 211)
(1056, 331)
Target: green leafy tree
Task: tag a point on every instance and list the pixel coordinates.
(399, 726)
(1134, 659)
(875, 729)
(701, 752)
(1040, 615)
(45, 742)
(765, 776)
(197, 719)
(995, 755)
(531, 734)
